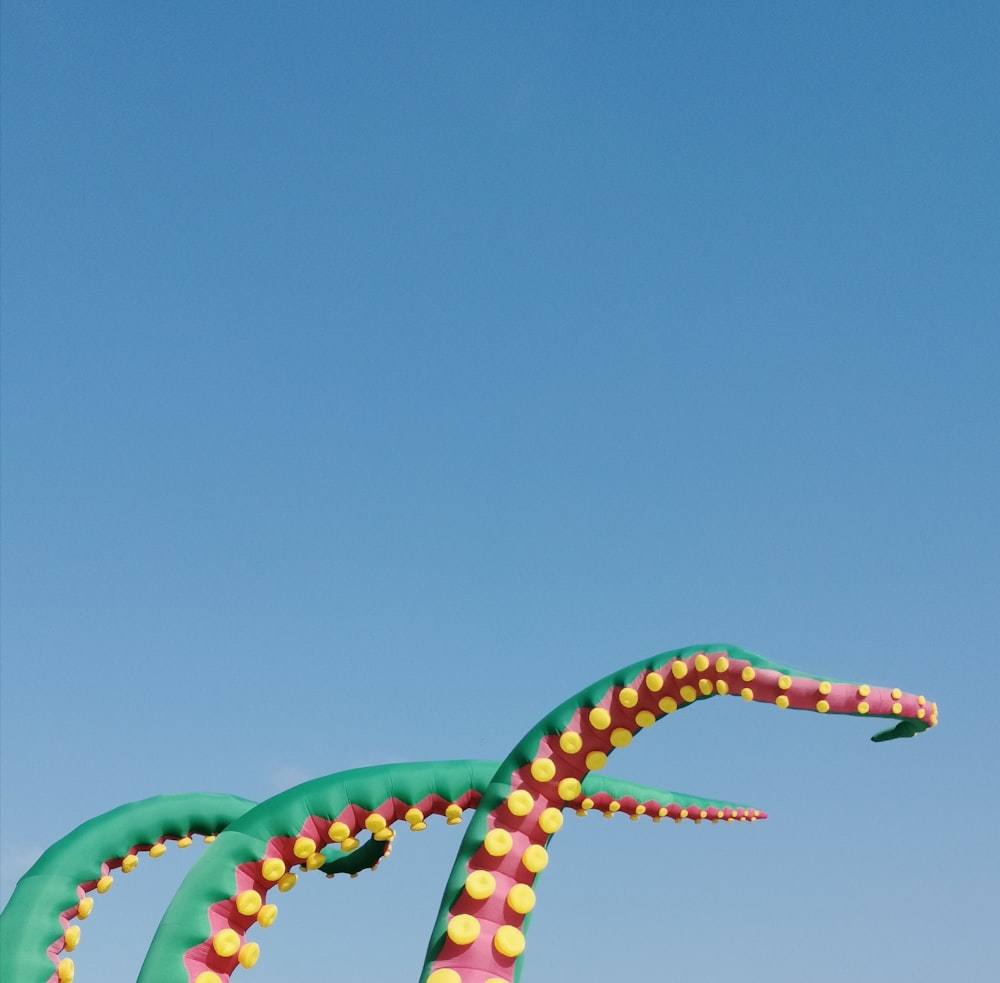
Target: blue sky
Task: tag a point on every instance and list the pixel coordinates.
(376, 376)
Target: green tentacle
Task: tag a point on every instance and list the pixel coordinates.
(475, 939)
(204, 933)
(34, 922)
(488, 899)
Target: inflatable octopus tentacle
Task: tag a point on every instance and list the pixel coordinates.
(35, 927)
(203, 935)
(479, 933)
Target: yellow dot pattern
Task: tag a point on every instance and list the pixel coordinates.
(548, 782)
(306, 850)
(594, 732)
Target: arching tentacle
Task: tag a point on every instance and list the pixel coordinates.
(479, 934)
(204, 934)
(35, 927)
(603, 793)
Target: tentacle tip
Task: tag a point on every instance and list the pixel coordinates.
(905, 728)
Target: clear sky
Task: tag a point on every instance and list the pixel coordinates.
(376, 376)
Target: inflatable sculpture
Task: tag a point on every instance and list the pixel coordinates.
(207, 933)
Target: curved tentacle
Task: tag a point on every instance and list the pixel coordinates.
(479, 933)
(518, 805)
(203, 935)
(35, 925)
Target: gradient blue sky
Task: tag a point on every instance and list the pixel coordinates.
(375, 376)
